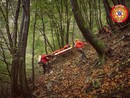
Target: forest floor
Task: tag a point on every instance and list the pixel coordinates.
(72, 78)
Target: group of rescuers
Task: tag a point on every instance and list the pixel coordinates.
(43, 60)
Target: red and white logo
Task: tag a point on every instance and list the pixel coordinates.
(119, 13)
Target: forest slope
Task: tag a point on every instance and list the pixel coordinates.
(72, 78)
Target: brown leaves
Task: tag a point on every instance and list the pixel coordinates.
(71, 79)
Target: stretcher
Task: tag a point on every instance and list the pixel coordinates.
(60, 52)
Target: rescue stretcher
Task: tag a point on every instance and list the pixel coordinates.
(60, 52)
(57, 52)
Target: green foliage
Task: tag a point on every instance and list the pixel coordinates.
(4, 77)
(54, 13)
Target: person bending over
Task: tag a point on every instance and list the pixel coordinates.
(43, 61)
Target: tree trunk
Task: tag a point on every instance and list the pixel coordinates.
(100, 14)
(14, 77)
(15, 65)
(73, 32)
(58, 37)
(108, 8)
(22, 49)
(118, 1)
(88, 35)
(123, 2)
(114, 2)
(33, 45)
(52, 33)
(67, 22)
(90, 15)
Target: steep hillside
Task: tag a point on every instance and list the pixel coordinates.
(72, 78)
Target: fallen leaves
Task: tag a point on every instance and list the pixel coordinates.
(70, 77)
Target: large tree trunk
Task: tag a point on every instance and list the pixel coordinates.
(26, 11)
(23, 36)
(15, 65)
(88, 35)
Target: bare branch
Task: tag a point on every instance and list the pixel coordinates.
(4, 60)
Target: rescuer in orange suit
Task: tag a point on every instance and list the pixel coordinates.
(79, 45)
(43, 61)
